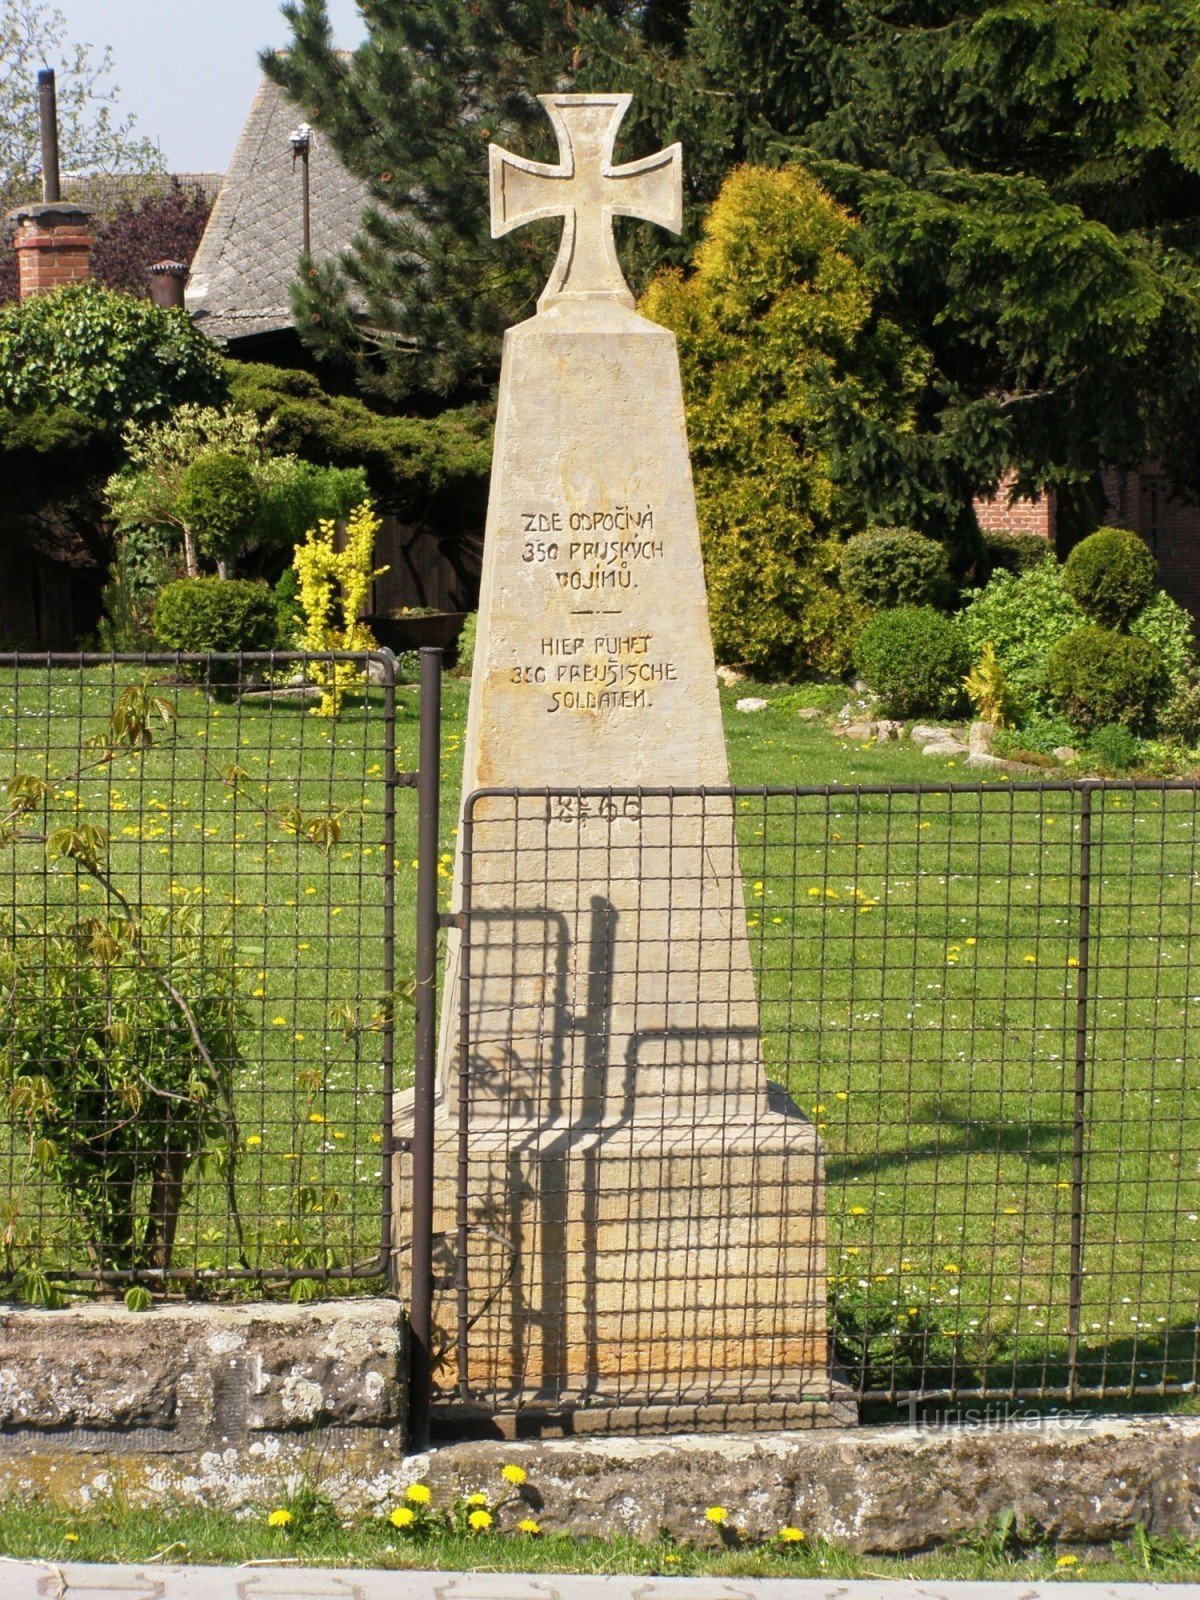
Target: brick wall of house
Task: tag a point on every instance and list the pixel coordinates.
(1001, 514)
(1147, 502)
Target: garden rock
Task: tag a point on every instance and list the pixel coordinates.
(885, 732)
(752, 703)
(981, 738)
(809, 714)
(860, 732)
(945, 747)
(1064, 753)
(729, 676)
(999, 764)
(928, 733)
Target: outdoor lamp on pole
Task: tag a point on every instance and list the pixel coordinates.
(301, 143)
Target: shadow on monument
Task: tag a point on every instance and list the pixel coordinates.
(636, 1256)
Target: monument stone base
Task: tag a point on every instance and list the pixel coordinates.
(641, 1277)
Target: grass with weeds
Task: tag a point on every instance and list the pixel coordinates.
(113, 1532)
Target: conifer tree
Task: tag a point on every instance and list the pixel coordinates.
(1027, 173)
(412, 112)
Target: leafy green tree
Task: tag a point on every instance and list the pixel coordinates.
(778, 345)
(93, 136)
(218, 504)
(1028, 173)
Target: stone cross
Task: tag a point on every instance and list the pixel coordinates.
(587, 191)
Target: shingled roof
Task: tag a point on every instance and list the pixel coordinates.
(244, 268)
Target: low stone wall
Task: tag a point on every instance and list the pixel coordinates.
(187, 1398)
(888, 1490)
(233, 1406)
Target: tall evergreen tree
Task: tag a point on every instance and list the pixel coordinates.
(1028, 173)
(412, 113)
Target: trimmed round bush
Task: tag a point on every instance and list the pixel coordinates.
(219, 614)
(1098, 676)
(1110, 576)
(887, 567)
(914, 658)
(220, 502)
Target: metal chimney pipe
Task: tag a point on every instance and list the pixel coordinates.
(48, 119)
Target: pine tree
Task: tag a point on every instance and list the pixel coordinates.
(1027, 173)
(412, 113)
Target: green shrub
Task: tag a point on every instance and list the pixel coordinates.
(1113, 747)
(201, 614)
(778, 345)
(1014, 552)
(1022, 617)
(296, 495)
(289, 617)
(108, 356)
(887, 567)
(465, 659)
(1098, 676)
(93, 1045)
(1110, 576)
(1179, 719)
(914, 658)
(1166, 624)
(218, 502)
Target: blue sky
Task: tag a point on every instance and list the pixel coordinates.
(188, 68)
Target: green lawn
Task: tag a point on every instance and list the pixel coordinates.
(916, 960)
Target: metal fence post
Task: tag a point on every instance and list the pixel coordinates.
(421, 1298)
(1080, 1106)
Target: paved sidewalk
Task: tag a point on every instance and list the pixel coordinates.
(32, 1580)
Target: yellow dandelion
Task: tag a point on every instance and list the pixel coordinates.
(71, 1538)
(479, 1521)
(477, 1499)
(1029, 960)
(717, 1515)
(513, 1474)
(253, 1140)
(418, 1494)
(951, 1266)
(528, 1525)
(280, 1518)
(858, 1211)
(1067, 1561)
(403, 1517)
(790, 1535)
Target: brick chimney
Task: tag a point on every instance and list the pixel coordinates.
(53, 244)
(54, 237)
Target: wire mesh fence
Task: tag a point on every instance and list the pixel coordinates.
(197, 969)
(977, 1173)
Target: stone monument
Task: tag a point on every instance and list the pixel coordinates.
(630, 1217)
